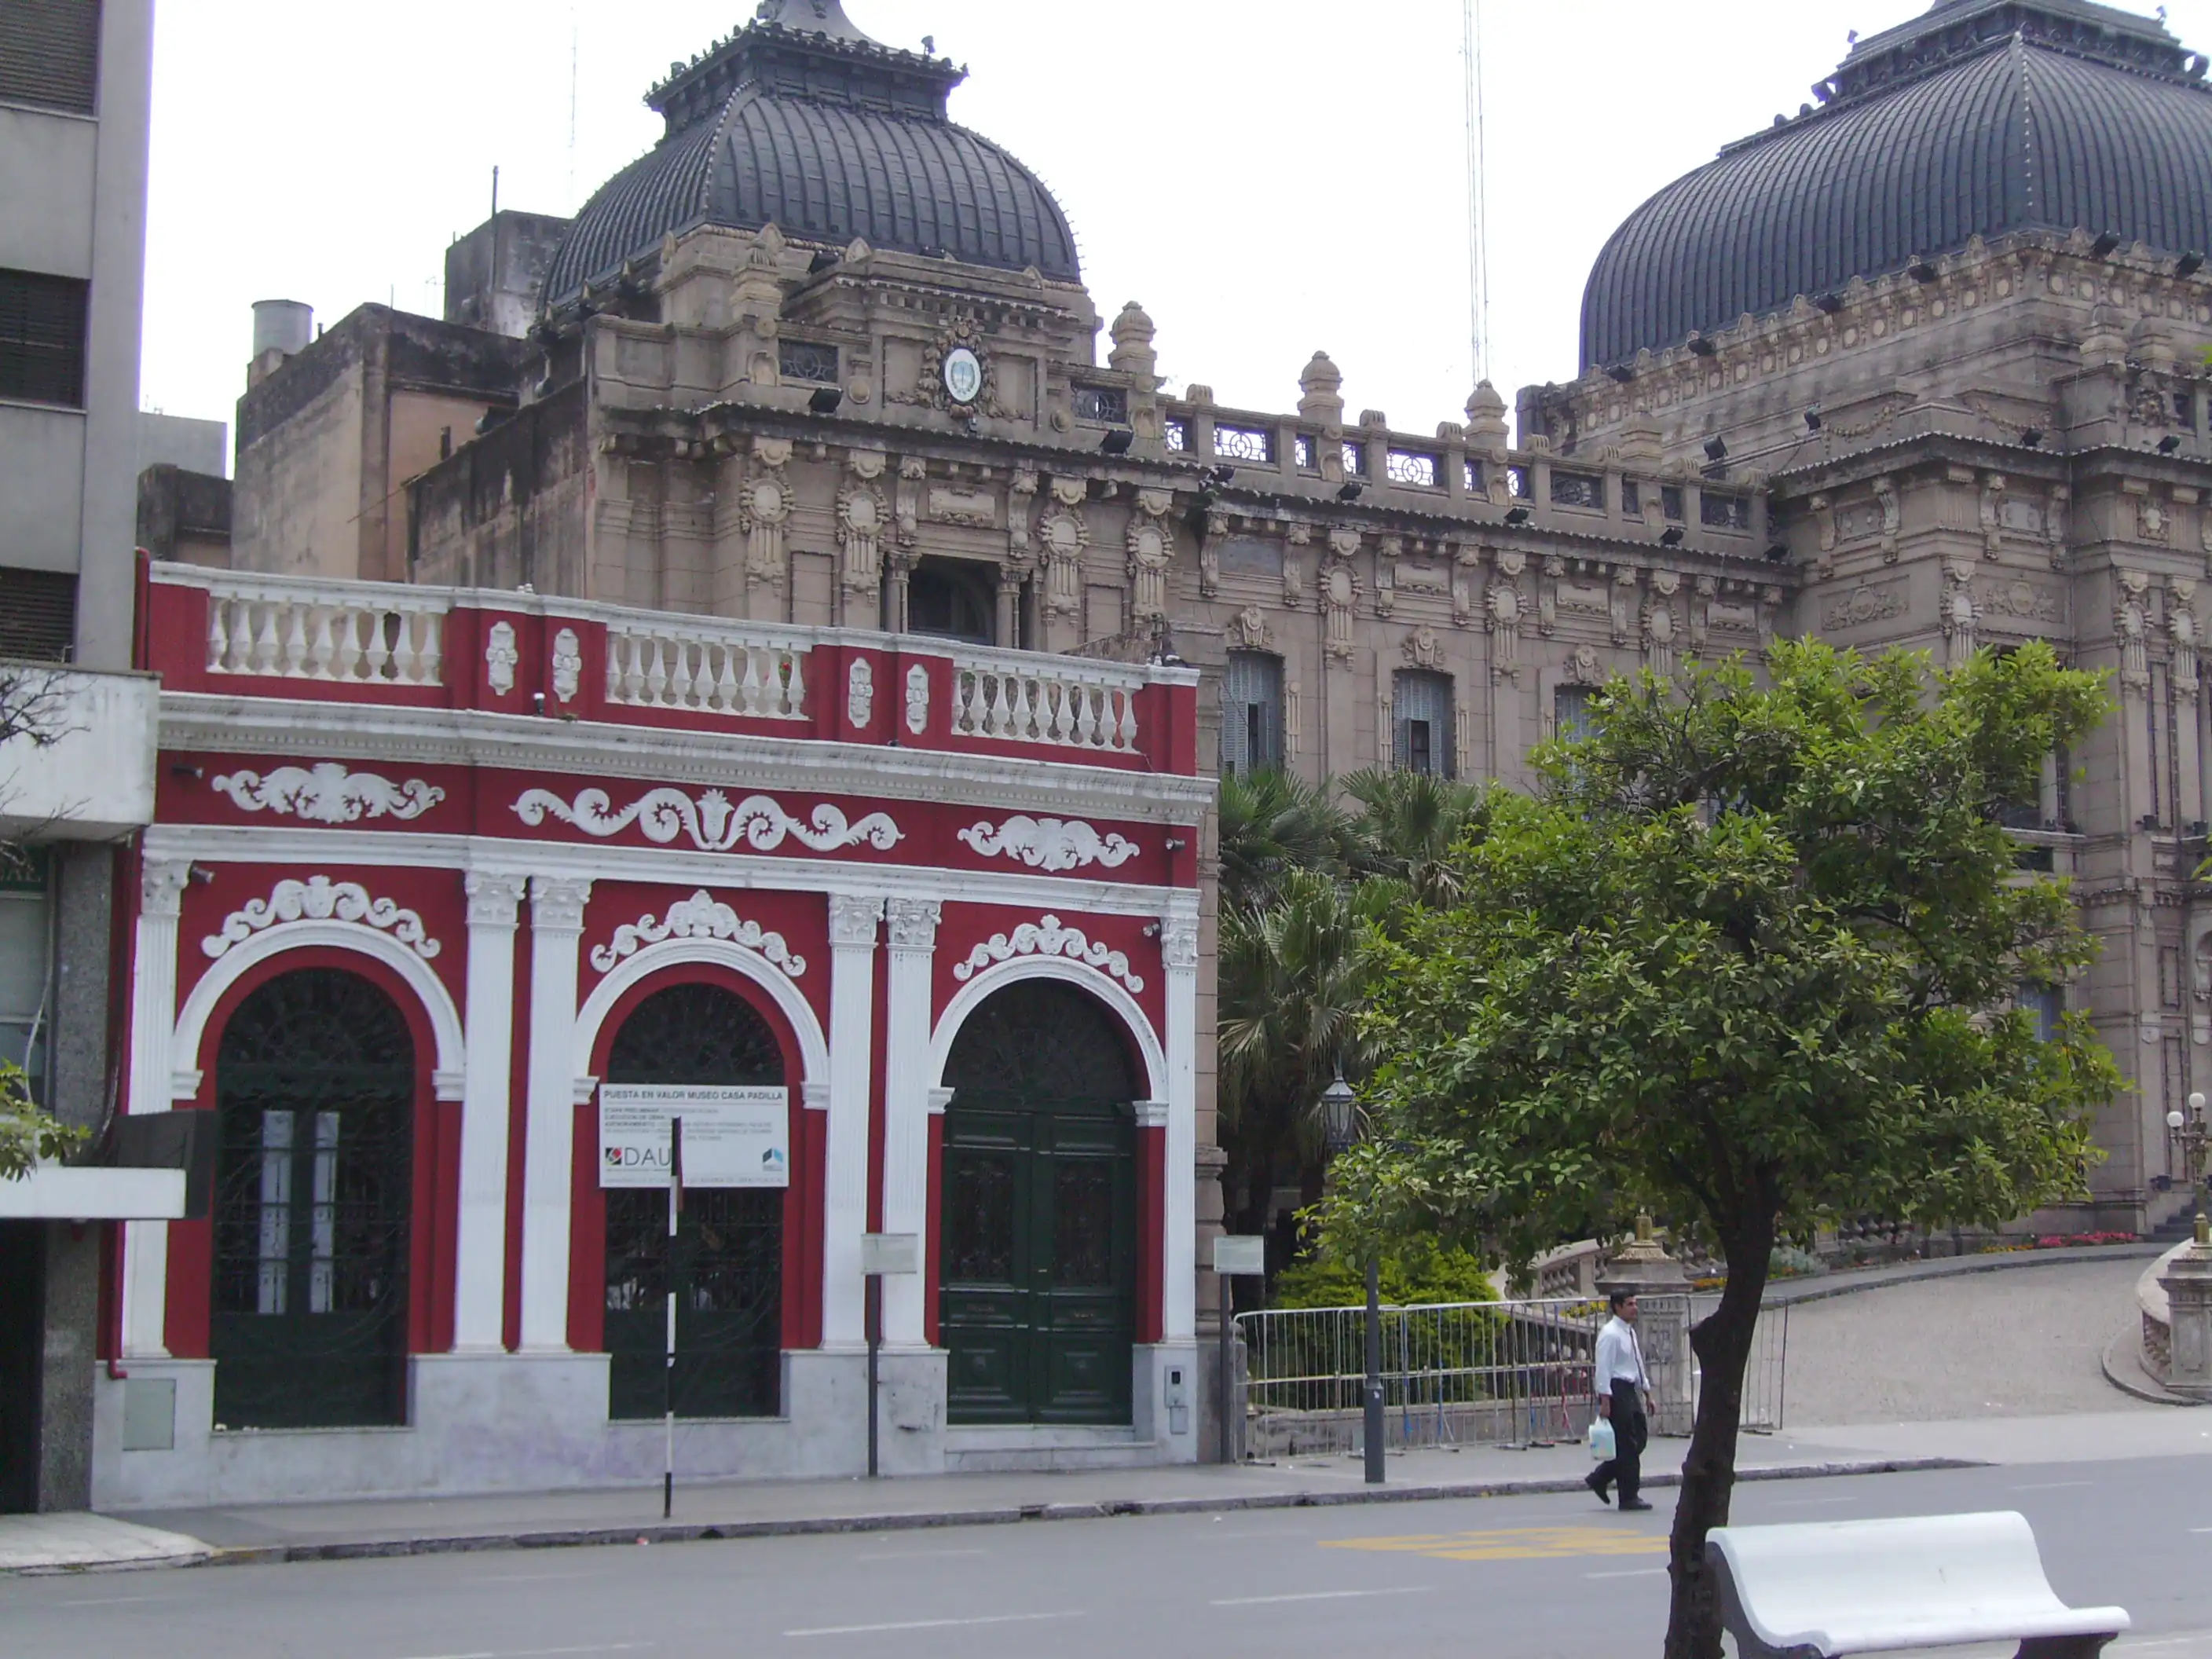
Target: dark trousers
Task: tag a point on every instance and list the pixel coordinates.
(1631, 1434)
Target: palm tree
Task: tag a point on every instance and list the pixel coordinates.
(1408, 824)
(1273, 822)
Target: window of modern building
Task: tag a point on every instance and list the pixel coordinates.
(951, 601)
(1571, 712)
(42, 321)
(50, 54)
(1421, 721)
(26, 984)
(1251, 712)
(38, 615)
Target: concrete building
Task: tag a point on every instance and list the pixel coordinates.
(75, 79)
(824, 360)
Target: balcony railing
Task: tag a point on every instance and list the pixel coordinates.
(1058, 702)
(670, 664)
(352, 632)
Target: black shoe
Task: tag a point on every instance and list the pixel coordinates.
(1603, 1488)
(1635, 1503)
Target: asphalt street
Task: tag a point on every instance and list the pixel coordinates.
(1504, 1578)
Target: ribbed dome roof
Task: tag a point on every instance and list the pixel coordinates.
(802, 121)
(1980, 118)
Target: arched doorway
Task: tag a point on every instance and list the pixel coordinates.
(1037, 1302)
(729, 1310)
(315, 1097)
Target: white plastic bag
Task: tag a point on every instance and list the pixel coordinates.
(1602, 1444)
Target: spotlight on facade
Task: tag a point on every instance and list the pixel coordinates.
(2189, 263)
(1701, 347)
(825, 399)
(2104, 245)
(1222, 474)
(1117, 441)
(1923, 270)
(1671, 536)
(1716, 449)
(1349, 489)
(1516, 516)
(820, 262)
(1624, 372)
(1778, 553)
(1811, 419)
(1831, 302)
(2031, 435)
(2169, 443)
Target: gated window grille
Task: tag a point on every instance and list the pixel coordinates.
(1413, 468)
(729, 1254)
(1251, 712)
(1670, 502)
(1725, 512)
(1632, 499)
(315, 1087)
(1308, 455)
(42, 326)
(1421, 717)
(1245, 443)
(1355, 459)
(1102, 405)
(1517, 482)
(806, 360)
(1472, 477)
(1583, 489)
(38, 615)
(1177, 435)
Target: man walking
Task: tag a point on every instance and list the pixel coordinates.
(1624, 1394)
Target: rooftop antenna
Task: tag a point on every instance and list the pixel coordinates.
(495, 193)
(1478, 255)
(929, 46)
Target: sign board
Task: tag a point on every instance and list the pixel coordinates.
(732, 1137)
(1240, 1258)
(890, 1253)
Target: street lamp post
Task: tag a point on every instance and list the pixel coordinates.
(1339, 1109)
(2192, 1134)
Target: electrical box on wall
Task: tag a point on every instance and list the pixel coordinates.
(1178, 1394)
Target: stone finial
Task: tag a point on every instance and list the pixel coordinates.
(1485, 418)
(1641, 1264)
(1318, 386)
(1132, 332)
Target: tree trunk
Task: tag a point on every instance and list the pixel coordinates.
(1722, 1343)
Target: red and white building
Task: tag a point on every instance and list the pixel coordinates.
(430, 867)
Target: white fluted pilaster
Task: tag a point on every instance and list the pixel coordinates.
(556, 924)
(153, 1027)
(1179, 956)
(853, 924)
(487, 1088)
(913, 930)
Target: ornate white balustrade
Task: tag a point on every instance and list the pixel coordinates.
(708, 670)
(1064, 703)
(305, 630)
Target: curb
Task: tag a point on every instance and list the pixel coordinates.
(2115, 1373)
(685, 1533)
(1816, 1289)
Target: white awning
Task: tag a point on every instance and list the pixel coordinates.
(61, 1192)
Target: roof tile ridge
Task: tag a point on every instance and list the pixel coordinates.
(2028, 152)
(746, 93)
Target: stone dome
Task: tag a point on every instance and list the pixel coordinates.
(801, 120)
(1978, 117)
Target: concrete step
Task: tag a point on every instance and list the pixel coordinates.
(1017, 1447)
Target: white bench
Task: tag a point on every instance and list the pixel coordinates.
(1841, 1586)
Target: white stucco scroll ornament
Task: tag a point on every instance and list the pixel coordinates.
(1046, 937)
(700, 916)
(712, 823)
(320, 899)
(327, 792)
(1048, 843)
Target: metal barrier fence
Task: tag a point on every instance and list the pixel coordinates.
(1509, 1374)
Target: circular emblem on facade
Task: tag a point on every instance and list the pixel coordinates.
(861, 512)
(963, 375)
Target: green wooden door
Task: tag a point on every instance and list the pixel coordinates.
(1038, 1267)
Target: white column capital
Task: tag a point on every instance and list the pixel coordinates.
(493, 896)
(814, 1095)
(939, 1098)
(1179, 943)
(913, 923)
(556, 904)
(854, 919)
(1152, 1113)
(161, 885)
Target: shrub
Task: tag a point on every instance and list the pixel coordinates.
(1444, 1276)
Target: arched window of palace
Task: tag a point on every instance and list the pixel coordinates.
(1251, 712)
(728, 1261)
(1038, 1271)
(1421, 723)
(953, 600)
(315, 1096)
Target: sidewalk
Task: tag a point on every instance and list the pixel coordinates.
(262, 1534)
(1818, 1287)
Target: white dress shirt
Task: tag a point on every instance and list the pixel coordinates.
(1619, 1359)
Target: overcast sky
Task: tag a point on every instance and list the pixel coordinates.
(1266, 179)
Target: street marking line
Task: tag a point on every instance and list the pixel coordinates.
(1316, 1595)
(1512, 1544)
(918, 1555)
(934, 1624)
(1631, 1573)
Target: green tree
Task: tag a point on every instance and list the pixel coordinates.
(1407, 825)
(1272, 823)
(1748, 963)
(27, 1134)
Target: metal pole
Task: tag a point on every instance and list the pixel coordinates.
(875, 1284)
(1373, 1431)
(668, 1371)
(1224, 1393)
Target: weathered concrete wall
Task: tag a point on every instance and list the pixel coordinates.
(508, 508)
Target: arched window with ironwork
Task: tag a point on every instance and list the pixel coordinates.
(315, 1083)
(729, 1260)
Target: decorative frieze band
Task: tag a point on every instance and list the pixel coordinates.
(327, 792)
(700, 916)
(1048, 843)
(712, 822)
